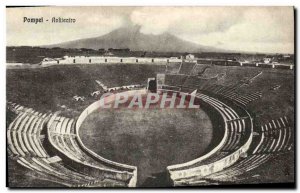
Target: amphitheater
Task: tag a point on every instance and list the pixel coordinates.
(250, 107)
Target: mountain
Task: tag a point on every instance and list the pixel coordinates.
(132, 38)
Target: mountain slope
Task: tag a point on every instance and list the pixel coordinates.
(132, 38)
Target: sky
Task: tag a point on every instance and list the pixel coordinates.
(250, 29)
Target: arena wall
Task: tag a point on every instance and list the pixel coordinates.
(86, 168)
(204, 156)
(214, 167)
(90, 109)
(207, 169)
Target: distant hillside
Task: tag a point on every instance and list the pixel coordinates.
(132, 38)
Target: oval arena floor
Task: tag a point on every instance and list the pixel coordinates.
(150, 139)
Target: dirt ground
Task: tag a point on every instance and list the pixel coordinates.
(150, 139)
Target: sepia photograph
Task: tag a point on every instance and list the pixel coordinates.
(150, 96)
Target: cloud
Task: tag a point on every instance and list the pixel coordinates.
(185, 20)
(262, 29)
(259, 29)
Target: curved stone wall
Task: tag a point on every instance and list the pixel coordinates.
(201, 170)
(214, 150)
(207, 169)
(90, 109)
(84, 167)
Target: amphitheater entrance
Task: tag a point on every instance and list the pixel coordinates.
(150, 139)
